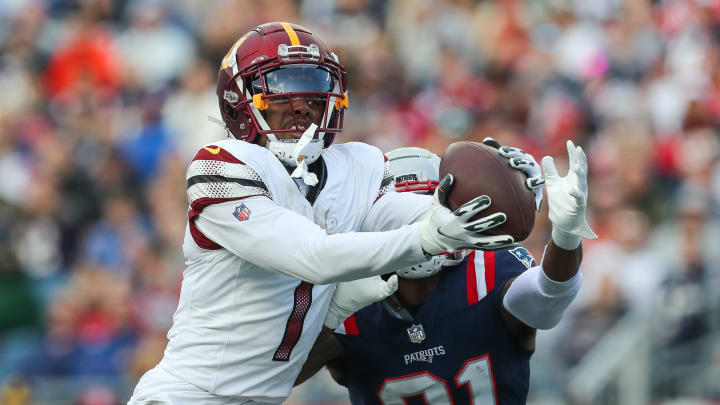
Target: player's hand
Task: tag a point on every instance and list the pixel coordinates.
(526, 163)
(567, 197)
(443, 230)
(351, 296)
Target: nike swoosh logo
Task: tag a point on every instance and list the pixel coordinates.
(214, 150)
(447, 236)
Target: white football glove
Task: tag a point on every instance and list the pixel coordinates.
(526, 163)
(443, 230)
(567, 199)
(351, 296)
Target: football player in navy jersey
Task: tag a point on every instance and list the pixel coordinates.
(463, 335)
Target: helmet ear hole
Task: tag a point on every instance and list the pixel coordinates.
(231, 112)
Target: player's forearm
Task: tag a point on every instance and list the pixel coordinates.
(393, 210)
(304, 250)
(326, 348)
(324, 259)
(560, 264)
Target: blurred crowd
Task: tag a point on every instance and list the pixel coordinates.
(104, 102)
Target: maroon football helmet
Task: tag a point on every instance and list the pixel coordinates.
(279, 62)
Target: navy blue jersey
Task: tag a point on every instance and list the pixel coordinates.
(454, 350)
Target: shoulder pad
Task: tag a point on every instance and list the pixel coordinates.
(372, 161)
(217, 174)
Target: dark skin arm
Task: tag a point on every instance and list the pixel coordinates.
(325, 349)
(559, 265)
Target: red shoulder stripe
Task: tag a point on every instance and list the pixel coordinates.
(212, 152)
(471, 280)
(489, 270)
(351, 326)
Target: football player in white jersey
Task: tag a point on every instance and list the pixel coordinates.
(277, 216)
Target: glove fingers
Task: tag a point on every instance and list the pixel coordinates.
(581, 158)
(527, 166)
(548, 165)
(472, 207)
(582, 169)
(511, 152)
(442, 192)
(535, 182)
(490, 141)
(538, 198)
(488, 222)
(493, 242)
(578, 195)
(391, 285)
(572, 158)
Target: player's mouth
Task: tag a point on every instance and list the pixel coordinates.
(299, 125)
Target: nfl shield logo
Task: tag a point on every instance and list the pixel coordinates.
(416, 333)
(242, 212)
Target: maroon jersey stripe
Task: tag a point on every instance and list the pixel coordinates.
(294, 326)
(201, 240)
(195, 209)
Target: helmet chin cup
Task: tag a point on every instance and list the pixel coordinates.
(432, 266)
(422, 270)
(284, 150)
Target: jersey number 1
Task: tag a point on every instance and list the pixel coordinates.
(476, 374)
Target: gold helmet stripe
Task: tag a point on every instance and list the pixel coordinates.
(294, 40)
(231, 52)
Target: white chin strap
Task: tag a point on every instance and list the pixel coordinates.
(430, 267)
(298, 153)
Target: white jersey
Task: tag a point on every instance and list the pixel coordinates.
(262, 261)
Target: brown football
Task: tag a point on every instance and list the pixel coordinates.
(480, 170)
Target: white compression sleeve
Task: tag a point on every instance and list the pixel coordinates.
(282, 240)
(393, 210)
(538, 301)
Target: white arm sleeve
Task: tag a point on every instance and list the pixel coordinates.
(393, 210)
(538, 301)
(279, 239)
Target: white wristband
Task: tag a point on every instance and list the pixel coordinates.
(565, 240)
(538, 301)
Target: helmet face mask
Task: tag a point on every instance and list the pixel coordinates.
(428, 186)
(296, 79)
(283, 91)
(280, 65)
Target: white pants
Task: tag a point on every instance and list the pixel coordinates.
(158, 387)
